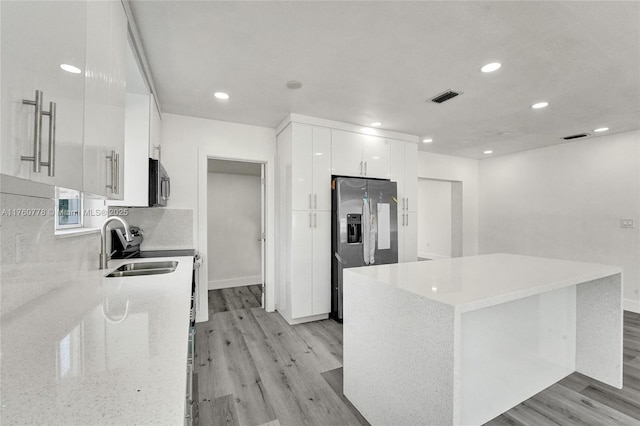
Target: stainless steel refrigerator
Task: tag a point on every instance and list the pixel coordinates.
(364, 228)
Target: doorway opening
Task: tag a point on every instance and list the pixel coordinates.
(236, 231)
(439, 219)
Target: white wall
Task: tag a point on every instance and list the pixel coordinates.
(186, 145)
(566, 202)
(233, 230)
(434, 219)
(466, 171)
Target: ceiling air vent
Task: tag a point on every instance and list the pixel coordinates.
(581, 135)
(444, 96)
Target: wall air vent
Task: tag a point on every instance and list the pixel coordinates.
(581, 135)
(445, 96)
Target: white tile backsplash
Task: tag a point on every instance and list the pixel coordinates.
(33, 261)
(163, 228)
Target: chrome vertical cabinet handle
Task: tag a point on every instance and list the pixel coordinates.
(37, 131)
(310, 220)
(361, 169)
(365, 168)
(116, 176)
(51, 164)
(309, 200)
(112, 161)
(315, 201)
(315, 220)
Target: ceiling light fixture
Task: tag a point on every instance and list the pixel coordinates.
(70, 68)
(427, 140)
(488, 152)
(491, 67)
(293, 84)
(601, 129)
(376, 124)
(221, 95)
(540, 105)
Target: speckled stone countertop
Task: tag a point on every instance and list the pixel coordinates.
(475, 282)
(100, 351)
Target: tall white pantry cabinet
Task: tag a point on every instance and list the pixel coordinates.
(304, 228)
(307, 156)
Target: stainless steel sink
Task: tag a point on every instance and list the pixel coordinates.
(144, 268)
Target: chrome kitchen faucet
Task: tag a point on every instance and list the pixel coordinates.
(104, 257)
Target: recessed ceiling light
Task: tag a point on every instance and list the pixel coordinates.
(376, 124)
(70, 68)
(318, 154)
(488, 152)
(491, 67)
(601, 129)
(221, 95)
(293, 84)
(540, 105)
(427, 140)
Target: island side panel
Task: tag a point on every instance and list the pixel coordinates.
(398, 354)
(511, 351)
(599, 330)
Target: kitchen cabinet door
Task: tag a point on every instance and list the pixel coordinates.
(155, 129)
(104, 99)
(321, 157)
(302, 167)
(301, 264)
(375, 154)
(38, 37)
(346, 153)
(411, 176)
(321, 262)
(411, 237)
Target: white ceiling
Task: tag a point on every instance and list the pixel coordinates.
(381, 61)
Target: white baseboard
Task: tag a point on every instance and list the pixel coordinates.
(303, 319)
(425, 255)
(234, 282)
(631, 305)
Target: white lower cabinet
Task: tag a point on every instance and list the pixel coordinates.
(310, 263)
(407, 236)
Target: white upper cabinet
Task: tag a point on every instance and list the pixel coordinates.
(311, 168)
(155, 129)
(301, 167)
(404, 171)
(138, 113)
(355, 154)
(42, 104)
(105, 99)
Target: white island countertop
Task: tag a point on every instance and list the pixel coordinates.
(475, 282)
(460, 341)
(100, 351)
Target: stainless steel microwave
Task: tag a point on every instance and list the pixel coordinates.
(159, 184)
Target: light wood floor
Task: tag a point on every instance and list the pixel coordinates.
(254, 369)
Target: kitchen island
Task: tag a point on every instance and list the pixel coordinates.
(100, 351)
(460, 341)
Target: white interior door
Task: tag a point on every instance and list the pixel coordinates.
(262, 231)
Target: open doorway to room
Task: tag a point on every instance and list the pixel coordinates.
(235, 234)
(439, 219)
